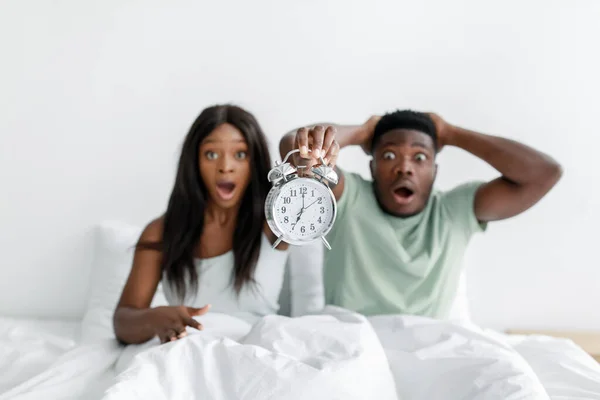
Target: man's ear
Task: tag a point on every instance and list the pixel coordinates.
(435, 170)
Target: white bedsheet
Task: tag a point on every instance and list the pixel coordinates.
(29, 346)
(345, 356)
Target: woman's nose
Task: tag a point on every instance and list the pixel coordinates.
(226, 165)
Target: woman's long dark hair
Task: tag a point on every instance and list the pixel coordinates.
(184, 218)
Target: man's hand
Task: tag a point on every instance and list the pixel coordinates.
(170, 323)
(366, 133)
(320, 137)
(527, 174)
(443, 131)
(320, 141)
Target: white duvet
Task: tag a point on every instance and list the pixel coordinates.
(337, 355)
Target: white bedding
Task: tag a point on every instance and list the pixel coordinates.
(29, 346)
(342, 355)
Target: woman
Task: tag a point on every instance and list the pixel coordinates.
(212, 243)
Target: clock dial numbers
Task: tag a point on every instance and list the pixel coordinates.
(304, 209)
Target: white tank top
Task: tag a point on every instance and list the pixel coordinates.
(215, 285)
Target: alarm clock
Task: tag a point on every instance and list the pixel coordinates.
(301, 209)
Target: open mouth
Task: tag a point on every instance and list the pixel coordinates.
(225, 190)
(403, 195)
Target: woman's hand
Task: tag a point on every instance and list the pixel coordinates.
(169, 323)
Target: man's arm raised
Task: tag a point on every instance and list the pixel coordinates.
(527, 174)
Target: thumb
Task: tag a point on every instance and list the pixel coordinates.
(194, 312)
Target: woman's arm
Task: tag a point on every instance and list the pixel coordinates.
(132, 318)
(134, 321)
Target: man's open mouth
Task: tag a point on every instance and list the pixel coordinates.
(403, 194)
(225, 190)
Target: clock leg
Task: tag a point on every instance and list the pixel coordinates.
(325, 242)
(279, 240)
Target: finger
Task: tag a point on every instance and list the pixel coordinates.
(304, 165)
(328, 139)
(179, 327)
(162, 338)
(332, 155)
(165, 336)
(302, 141)
(198, 311)
(193, 323)
(318, 134)
(171, 335)
(182, 335)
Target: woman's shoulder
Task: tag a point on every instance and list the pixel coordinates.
(153, 232)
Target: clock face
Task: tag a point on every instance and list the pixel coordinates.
(304, 209)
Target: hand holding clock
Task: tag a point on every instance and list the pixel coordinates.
(321, 141)
(314, 156)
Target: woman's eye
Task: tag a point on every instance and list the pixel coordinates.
(388, 155)
(420, 157)
(241, 155)
(211, 155)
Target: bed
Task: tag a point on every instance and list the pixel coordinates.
(42, 359)
(310, 351)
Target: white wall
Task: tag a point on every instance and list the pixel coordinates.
(97, 96)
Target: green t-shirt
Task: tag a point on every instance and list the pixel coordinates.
(381, 264)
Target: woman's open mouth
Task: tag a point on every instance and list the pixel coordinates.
(403, 195)
(225, 190)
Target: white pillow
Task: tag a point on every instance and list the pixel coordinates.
(460, 311)
(113, 257)
(304, 280)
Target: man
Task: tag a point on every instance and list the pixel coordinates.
(398, 244)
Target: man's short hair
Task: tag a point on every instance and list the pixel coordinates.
(405, 119)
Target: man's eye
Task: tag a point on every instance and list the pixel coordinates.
(241, 155)
(211, 155)
(421, 157)
(388, 155)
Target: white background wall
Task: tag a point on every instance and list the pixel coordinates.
(95, 98)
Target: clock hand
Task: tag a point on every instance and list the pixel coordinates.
(297, 218)
(299, 214)
(311, 204)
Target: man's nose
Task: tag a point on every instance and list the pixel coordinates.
(404, 167)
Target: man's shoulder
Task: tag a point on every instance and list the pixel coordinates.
(458, 205)
(356, 177)
(357, 195)
(355, 185)
(462, 192)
